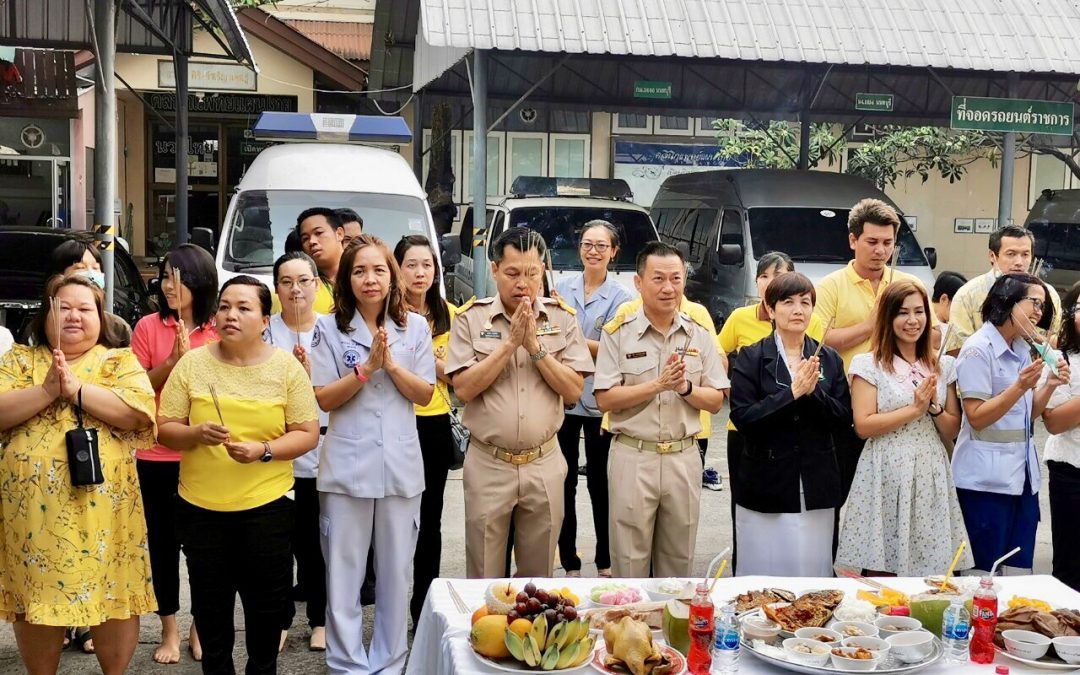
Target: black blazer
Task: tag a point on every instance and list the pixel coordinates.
(785, 438)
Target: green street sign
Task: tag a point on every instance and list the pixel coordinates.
(652, 89)
(874, 102)
(1005, 114)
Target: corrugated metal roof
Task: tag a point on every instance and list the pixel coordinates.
(347, 39)
(1027, 36)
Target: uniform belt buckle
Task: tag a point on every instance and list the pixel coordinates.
(521, 458)
(663, 447)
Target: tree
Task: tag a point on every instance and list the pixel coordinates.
(893, 151)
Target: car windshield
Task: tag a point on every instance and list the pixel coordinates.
(817, 235)
(1058, 244)
(263, 219)
(561, 226)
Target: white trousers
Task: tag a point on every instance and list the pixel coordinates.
(346, 525)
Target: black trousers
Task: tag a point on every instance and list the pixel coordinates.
(436, 442)
(307, 549)
(597, 445)
(735, 445)
(1064, 521)
(158, 482)
(238, 552)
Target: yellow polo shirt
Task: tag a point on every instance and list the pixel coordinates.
(743, 328)
(324, 300)
(851, 299)
(699, 315)
(440, 400)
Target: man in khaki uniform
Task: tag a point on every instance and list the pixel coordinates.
(655, 371)
(516, 360)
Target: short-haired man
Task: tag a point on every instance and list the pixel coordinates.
(516, 360)
(945, 287)
(320, 234)
(352, 223)
(656, 370)
(1011, 249)
(848, 297)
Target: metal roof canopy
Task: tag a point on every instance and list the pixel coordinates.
(136, 26)
(795, 59)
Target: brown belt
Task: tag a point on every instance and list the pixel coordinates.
(517, 457)
(659, 447)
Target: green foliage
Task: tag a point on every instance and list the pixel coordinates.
(237, 4)
(894, 152)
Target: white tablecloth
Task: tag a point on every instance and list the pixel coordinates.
(441, 644)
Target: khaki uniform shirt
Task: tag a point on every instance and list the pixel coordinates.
(519, 410)
(634, 352)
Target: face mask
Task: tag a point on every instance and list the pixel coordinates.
(98, 278)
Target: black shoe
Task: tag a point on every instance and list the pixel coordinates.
(367, 596)
(299, 594)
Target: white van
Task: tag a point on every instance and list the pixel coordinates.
(283, 180)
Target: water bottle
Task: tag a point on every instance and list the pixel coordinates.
(955, 631)
(725, 652)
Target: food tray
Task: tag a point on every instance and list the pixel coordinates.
(1047, 662)
(888, 665)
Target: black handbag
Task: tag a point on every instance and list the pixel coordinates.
(459, 434)
(84, 458)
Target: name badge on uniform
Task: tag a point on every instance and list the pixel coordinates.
(548, 329)
(635, 355)
(494, 334)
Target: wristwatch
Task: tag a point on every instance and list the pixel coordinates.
(538, 355)
(689, 388)
(267, 455)
(930, 411)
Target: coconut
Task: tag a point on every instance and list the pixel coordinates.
(500, 597)
(929, 607)
(676, 624)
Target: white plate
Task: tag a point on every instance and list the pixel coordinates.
(888, 665)
(642, 597)
(1045, 663)
(512, 666)
(600, 654)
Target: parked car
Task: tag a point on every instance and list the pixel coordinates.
(554, 208)
(1055, 222)
(726, 219)
(24, 263)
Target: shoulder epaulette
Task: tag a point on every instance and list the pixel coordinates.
(694, 317)
(568, 308)
(466, 305)
(615, 324)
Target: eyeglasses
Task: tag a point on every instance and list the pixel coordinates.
(302, 282)
(598, 247)
(1037, 303)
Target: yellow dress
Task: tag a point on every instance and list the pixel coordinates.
(73, 556)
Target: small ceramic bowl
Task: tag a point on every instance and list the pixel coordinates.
(757, 627)
(911, 646)
(849, 664)
(817, 656)
(1026, 644)
(895, 625)
(874, 644)
(855, 629)
(816, 633)
(1067, 648)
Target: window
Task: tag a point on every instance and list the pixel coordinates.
(569, 156)
(675, 126)
(692, 230)
(731, 231)
(631, 123)
(494, 166)
(561, 225)
(527, 156)
(816, 235)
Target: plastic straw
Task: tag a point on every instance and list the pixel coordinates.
(1003, 559)
(719, 573)
(955, 560)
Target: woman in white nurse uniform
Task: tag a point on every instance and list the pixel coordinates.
(372, 361)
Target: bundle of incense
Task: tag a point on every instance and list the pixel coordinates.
(296, 318)
(217, 403)
(54, 306)
(1045, 352)
(828, 327)
(892, 262)
(686, 346)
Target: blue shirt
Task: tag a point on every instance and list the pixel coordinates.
(371, 448)
(591, 316)
(997, 458)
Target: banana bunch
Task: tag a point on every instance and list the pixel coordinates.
(567, 645)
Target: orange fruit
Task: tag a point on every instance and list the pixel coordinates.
(488, 637)
(480, 613)
(521, 627)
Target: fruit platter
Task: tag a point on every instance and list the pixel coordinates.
(531, 629)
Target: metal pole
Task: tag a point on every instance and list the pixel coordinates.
(1008, 165)
(180, 66)
(105, 138)
(479, 181)
(804, 140)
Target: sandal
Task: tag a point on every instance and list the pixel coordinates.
(84, 640)
(604, 573)
(69, 637)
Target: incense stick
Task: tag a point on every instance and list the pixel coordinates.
(1043, 350)
(54, 306)
(296, 312)
(686, 345)
(828, 327)
(892, 263)
(217, 403)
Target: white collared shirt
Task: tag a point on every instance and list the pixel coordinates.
(1064, 447)
(283, 337)
(371, 448)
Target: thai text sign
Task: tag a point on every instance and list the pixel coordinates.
(1005, 114)
(874, 102)
(652, 89)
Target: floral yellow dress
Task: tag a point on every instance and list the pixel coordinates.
(73, 556)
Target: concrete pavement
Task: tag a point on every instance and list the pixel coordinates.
(713, 535)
